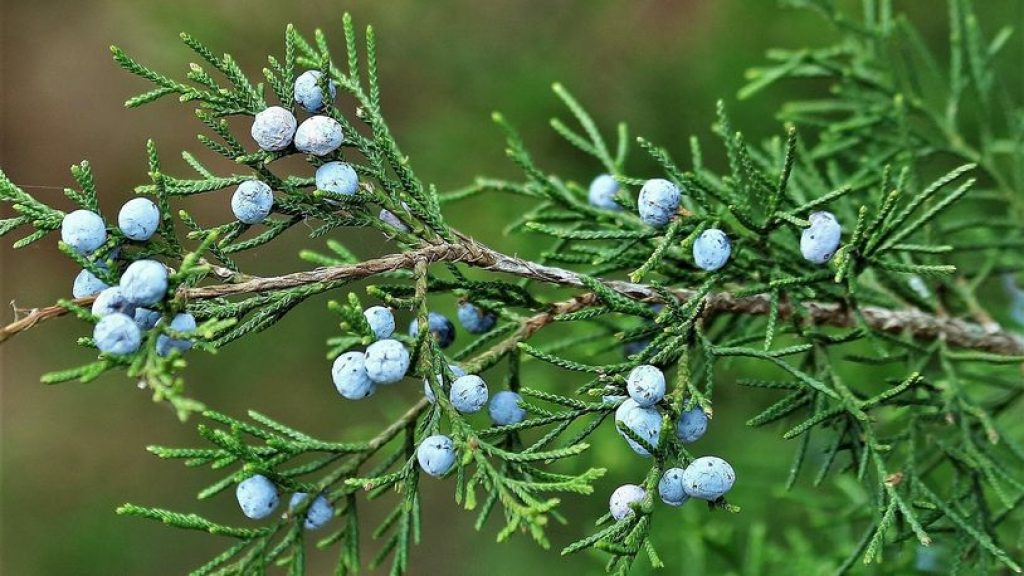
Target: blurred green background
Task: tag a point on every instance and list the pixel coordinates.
(71, 454)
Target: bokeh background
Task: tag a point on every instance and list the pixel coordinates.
(70, 454)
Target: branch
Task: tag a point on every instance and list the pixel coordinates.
(912, 322)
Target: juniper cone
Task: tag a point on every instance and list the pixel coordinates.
(840, 285)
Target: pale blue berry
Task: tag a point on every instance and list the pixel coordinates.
(308, 93)
(117, 334)
(112, 301)
(468, 394)
(658, 202)
(389, 218)
(337, 177)
(670, 487)
(144, 282)
(273, 129)
(257, 496)
(820, 240)
(504, 408)
(691, 425)
(319, 136)
(138, 219)
(623, 499)
(318, 513)
(350, 378)
(708, 478)
(436, 455)
(440, 327)
(83, 231)
(474, 319)
(602, 191)
(381, 321)
(183, 323)
(387, 361)
(146, 318)
(711, 250)
(87, 284)
(252, 201)
(643, 422)
(429, 392)
(646, 385)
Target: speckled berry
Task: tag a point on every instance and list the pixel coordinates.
(819, 241)
(468, 394)
(252, 201)
(436, 455)
(440, 327)
(83, 231)
(504, 408)
(117, 334)
(146, 318)
(318, 513)
(387, 361)
(337, 178)
(144, 282)
(658, 202)
(670, 487)
(389, 218)
(183, 323)
(350, 378)
(429, 392)
(319, 136)
(692, 424)
(623, 499)
(474, 319)
(274, 128)
(711, 250)
(644, 422)
(87, 284)
(708, 478)
(381, 321)
(257, 496)
(308, 93)
(112, 301)
(602, 191)
(646, 385)
(138, 219)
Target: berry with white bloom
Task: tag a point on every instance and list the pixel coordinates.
(387, 361)
(308, 93)
(338, 178)
(708, 478)
(646, 385)
(117, 334)
(658, 202)
(87, 284)
(83, 231)
(468, 394)
(819, 241)
(144, 282)
(381, 321)
(182, 323)
(711, 250)
(623, 498)
(670, 487)
(350, 378)
(319, 136)
(252, 201)
(504, 408)
(112, 301)
(440, 327)
(474, 319)
(138, 219)
(691, 425)
(319, 512)
(429, 392)
(602, 191)
(257, 496)
(436, 455)
(273, 129)
(643, 422)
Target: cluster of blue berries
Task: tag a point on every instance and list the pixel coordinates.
(257, 497)
(659, 202)
(356, 375)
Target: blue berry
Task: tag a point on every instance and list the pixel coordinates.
(112, 301)
(83, 231)
(319, 136)
(602, 192)
(337, 177)
(87, 284)
(505, 409)
(819, 241)
(436, 455)
(117, 334)
(658, 202)
(252, 201)
(644, 422)
(623, 498)
(349, 375)
(929, 559)
(389, 218)
(646, 385)
(670, 487)
(308, 93)
(273, 129)
(708, 478)
(468, 394)
(381, 321)
(144, 282)
(138, 219)
(387, 361)
(257, 496)
(440, 327)
(429, 392)
(475, 319)
(319, 512)
(711, 250)
(183, 323)
(691, 425)
(146, 318)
